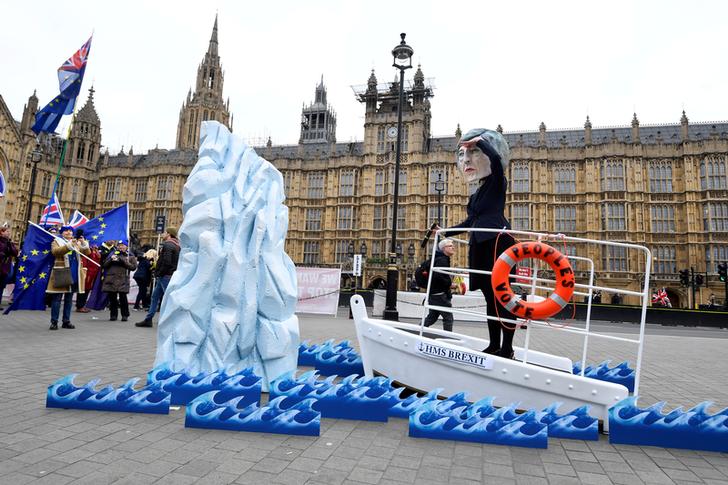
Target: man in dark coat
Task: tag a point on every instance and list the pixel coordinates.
(117, 265)
(8, 253)
(441, 286)
(143, 278)
(165, 267)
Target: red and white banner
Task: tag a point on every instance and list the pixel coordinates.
(523, 271)
(318, 290)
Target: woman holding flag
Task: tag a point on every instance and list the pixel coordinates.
(67, 276)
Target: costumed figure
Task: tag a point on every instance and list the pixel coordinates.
(483, 156)
(68, 275)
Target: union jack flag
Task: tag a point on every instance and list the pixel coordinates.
(77, 219)
(52, 214)
(72, 70)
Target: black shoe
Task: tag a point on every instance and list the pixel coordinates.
(491, 350)
(112, 319)
(124, 319)
(505, 353)
(54, 326)
(68, 325)
(145, 323)
(137, 308)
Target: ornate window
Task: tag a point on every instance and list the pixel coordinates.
(660, 174)
(664, 257)
(140, 190)
(311, 252)
(113, 188)
(432, 215)
(401, 219)
(347, 183)
(287, 179)
(380, 179)
(520, 216)
(613, 175)
(379, 217)
(614, 258)
(378, 249)
(402, 181)
(713, 174)
(718, 254)
(663, 218)
(565, 179)
(74, 191)
(137, 220)
(164, 187)
(613, 217)
(313, 219)
(341, 255)
(346, 218)
(520, 177)
(435, 174)
(315, 185)
(565, 218)
(380, 138)
(715, 217)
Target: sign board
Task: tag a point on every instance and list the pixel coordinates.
(160, 222)
(356, 270)
(482, 361)
(318, 290)
(523, 271)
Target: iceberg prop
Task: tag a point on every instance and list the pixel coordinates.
(619, 374)
(212, 411)
(576, 425)
(231, 302)
(693, 429)
(353, 398)
(184, 388)
(479, 422)
(66, 395)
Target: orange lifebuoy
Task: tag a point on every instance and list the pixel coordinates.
(530, 310)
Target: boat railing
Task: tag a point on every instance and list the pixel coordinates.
(533, 281)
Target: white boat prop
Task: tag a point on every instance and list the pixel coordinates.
(424, 358)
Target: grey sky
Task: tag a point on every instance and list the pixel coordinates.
(515, 63)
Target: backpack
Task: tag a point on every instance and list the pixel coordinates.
(422, 273)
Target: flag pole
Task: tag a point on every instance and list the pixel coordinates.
(72, 249)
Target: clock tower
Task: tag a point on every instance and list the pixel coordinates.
(380, 120)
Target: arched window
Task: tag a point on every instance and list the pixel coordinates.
(713, 174)
(612, 175)
(520, 177)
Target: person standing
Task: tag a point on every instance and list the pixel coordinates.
(117, 265)
(441, 286)
(92, 271)
(8, 254)
(483, 156)
(165, 267)
(68, 275)
(143, 277)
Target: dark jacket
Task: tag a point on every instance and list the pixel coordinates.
(486, 206)
(8, 252)
(116, 277)
(144, 269)
(168, 258)
(441, 282)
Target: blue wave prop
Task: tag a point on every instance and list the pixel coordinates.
(575, 425)
(479, 422)
(353, 398)
(184, 387)
(210, 411)
(693, 429)
(619, 374)
(66, 395)
(331, 359)
(401, 408)
(307, 353)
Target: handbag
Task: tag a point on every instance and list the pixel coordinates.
(62, 277)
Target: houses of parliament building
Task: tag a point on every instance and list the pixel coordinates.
(663, 186)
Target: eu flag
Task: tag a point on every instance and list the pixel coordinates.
(113, 225)
(33, 270)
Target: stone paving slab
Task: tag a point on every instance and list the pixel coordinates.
(39, 445)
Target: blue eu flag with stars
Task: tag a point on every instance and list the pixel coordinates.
(112, 225)
(33, 270)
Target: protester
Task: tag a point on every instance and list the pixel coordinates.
(441, 286)
(143, 278)
(165, 267)
(116, 280)
(92, 271)
(68, 275)
(482, 157)
(8, 255)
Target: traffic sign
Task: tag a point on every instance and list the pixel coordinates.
(160, 223)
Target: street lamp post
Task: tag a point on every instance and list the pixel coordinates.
(402, 55)
(35, 157)
(363, 251)
(411, 254)
(439, 188)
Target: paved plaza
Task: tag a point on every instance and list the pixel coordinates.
(39, 445)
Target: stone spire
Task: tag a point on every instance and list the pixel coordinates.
(684, 126)
(542, 134)
(587, 131)
(635, 129)
(88, 112)
(458, 133)
(318, 120)
(29, 111)
(212, 50)
(499, 129)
